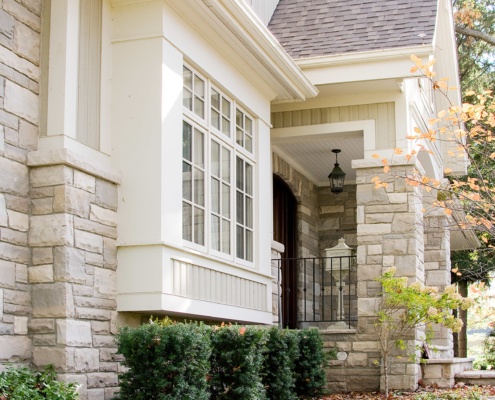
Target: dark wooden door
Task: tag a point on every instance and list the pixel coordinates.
(285, 232)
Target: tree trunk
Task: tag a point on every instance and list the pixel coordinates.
(462, 336)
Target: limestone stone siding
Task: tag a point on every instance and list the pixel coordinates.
(20, 26)
(73, 276)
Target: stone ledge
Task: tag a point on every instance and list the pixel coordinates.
(447, 360)
(75, 160)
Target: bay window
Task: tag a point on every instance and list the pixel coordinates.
(218, 165)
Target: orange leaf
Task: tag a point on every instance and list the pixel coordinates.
(375, 156)
(386, 169)
(384, 161)
(398, 151)
(242, 330)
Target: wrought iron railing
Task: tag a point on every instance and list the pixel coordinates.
(314, 291)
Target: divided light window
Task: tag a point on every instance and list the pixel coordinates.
(217, 171)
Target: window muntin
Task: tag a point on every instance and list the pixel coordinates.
(218, 182)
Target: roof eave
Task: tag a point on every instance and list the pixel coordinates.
(246, 27)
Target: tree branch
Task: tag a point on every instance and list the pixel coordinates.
(475, 34)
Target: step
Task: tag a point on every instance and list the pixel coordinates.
(476, 377)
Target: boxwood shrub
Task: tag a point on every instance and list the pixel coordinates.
(164, 361)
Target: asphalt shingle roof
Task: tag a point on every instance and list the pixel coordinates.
(312, 28)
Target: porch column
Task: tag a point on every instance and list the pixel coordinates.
(437, 271)
(389, 233)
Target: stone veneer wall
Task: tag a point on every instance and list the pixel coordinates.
(73, 280)
(20, 26)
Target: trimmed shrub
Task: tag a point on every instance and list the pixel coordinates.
(24, 384)
(236, 362)
(166, 361)
(282, 352)
(309, 369)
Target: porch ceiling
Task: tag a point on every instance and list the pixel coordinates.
(312, 155)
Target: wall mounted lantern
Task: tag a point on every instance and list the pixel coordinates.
(337, 176)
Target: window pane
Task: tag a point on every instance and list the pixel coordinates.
(240, 242)
(186, 141)
(215, 159)
(249, 126)
(240, 173)
(215, 119)
(199, 187)
(226, 236)
(239, 137)
(240, 207)
(225, 165)
(249, 179)
(249, 245)
(249, 143)
(215, 196)
(199, 226)
(215, 99)
(187, 75)
(226, 108)
(186, 181)
(249, 212)
(239, 120)
(187, 99)
(215, 232)
(186, 221)
(199, 107)
(199, 87)
(226, 126)
(226, 200)
(199, 148)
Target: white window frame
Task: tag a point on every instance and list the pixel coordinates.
(229, 142)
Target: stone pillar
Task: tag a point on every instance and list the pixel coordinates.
(389, 233)
(72, 275)
(277, 251)
(437, 272)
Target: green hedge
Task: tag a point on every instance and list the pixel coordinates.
(23, 384)
(192, 361)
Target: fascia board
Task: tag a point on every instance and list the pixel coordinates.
(363, 66)
(246, 27)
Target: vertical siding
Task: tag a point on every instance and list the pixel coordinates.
(382, 113)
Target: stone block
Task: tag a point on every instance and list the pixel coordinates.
(397, 198)
(437, 278)
(368, 195)
(51, 230)
(1, 304)
(18, 221)
(105, 282)
(42, 255)
(7, 274)
(44, 340)
(3, 211)
(93, 314)
(69, 265)
(81, 382)
(42, 206)
(14, 177)
(100, 327)
(21, 325)
(93, 258)
(367, 307)
(106, 194)
(14, 253)
(21, 275)
(377, 218)
(41, 325)
(88, 241)
(375, 249)
(103, 215)
(102, 380)
(52, 300)
(95, 227)
(96, 394)
(6, 25)
(20, 101)
(357, 360)
(404, 223)
(84, 181)
(86, 360)
(17, 203)
(41, 274)
(15, 348)
(396, 246)
(74, 333)
(51, 175)
(27, 45)
(373, 229)
(16, 297)
(104, 341)
(72, 200)
(23, 14)
(62, 358)
(366, 346)
(13, 237)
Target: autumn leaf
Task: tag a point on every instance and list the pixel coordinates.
(375, 155)
(242, 330)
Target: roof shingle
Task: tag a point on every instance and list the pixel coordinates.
(312, 28)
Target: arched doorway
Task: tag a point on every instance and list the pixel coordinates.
(285, 232)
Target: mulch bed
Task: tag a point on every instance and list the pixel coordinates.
(486, 391)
